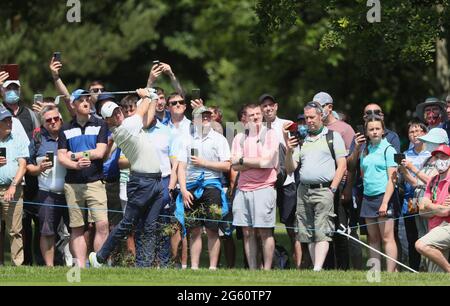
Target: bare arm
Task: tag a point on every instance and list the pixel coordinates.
(124, 163)
(340, 171)
(187, 196)
(66, 161)
(173, 173)
(9, 194)
(36, 170)
(392, 173)
(220, 166)
(21, 171)
(60, 86)
(428, 209)
(146, 109)
(173, 79)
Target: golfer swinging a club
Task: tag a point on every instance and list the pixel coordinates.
(144, 188)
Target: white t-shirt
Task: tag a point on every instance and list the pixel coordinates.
(134, 143)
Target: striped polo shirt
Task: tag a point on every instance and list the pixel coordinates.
(76, 138)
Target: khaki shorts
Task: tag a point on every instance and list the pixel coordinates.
(315, 214)
(92, 195)
(438, 237)
(255, 208)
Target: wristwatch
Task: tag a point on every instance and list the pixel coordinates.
(333, 190)
(241, 161)
(13, 183)
(73, 157)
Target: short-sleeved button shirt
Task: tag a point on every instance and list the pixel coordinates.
(76, 138)
(213, 147)
(16, 147)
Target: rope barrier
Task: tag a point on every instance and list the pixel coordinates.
(344, 231)
(217, 220)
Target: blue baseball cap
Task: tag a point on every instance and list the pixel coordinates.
(77, 94)
(4, 113)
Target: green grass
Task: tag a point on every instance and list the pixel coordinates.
(38, 276)
(33, 276)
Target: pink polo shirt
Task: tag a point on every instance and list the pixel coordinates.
(441, 195)
(257, 178)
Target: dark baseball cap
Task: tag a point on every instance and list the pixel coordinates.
(266, 96)
(106, 96)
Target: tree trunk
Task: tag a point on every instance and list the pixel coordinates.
(442, 69)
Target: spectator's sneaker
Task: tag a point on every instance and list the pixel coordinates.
(93, 260)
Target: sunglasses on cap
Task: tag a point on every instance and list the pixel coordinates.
(374, 112)
(50, 120)
(173, 103)
(314, 104)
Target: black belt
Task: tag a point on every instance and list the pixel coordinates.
(315, 186)
(148, 175)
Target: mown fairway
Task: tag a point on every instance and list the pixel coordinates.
(225, 277)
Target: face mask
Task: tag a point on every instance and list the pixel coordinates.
(12, 97)
(442, 165)
(431, 146)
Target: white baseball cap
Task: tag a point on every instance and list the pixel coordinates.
(108, 109)
(323, 98)
(9, 82)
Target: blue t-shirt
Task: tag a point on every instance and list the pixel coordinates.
(374, 166)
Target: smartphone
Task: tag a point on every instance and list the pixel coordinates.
(194, 152)
(50, 155)
(398, 157)
(3, 152)
(12, 69)
(293, 130)
(57, 56)
(38, 98)
(195, 94)
(360, 129)
(156, 62)
(86, 155)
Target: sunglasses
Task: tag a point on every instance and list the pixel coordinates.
(374, 112)
(97, 90)
(314, 105)
(173, 103)
(50, 120)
